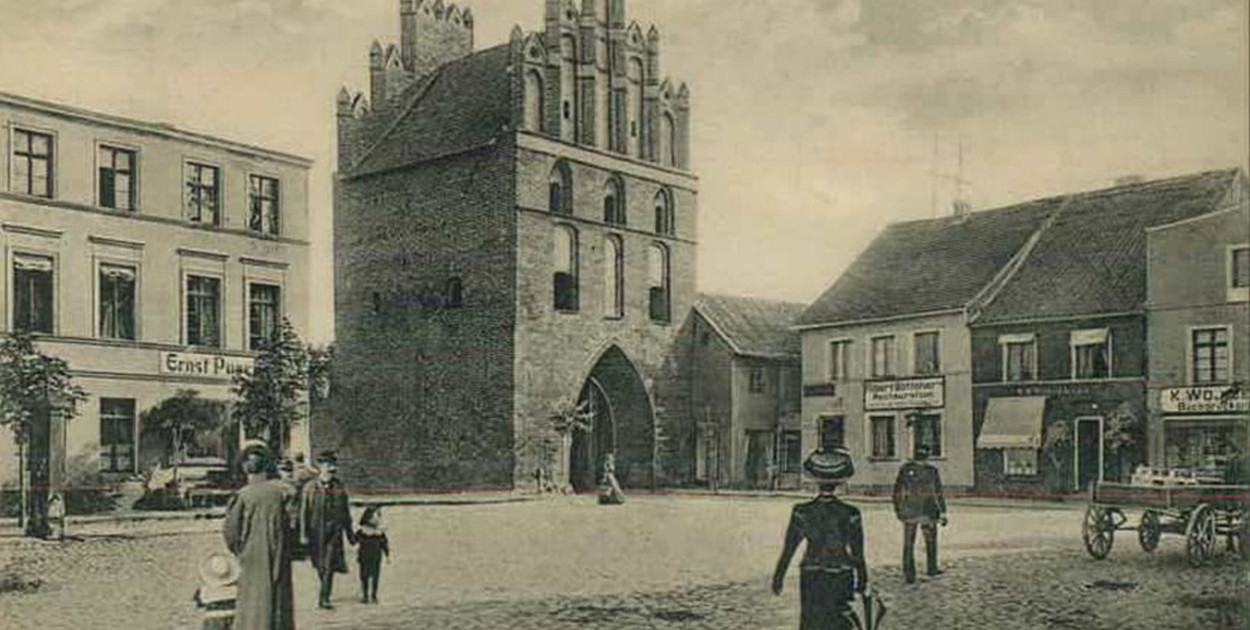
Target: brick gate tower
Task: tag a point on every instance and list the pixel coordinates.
(513, 227)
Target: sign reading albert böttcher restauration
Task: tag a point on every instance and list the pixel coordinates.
(908, 393)
(215, 366)
(1220, 399)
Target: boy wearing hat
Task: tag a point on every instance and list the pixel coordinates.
(833, 567)
(918, 501)
(219, 588)
(326, 519)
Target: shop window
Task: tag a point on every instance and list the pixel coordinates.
(117, 302)
(791, 451)
(1020, 462)
(264, 311)
(1091, 353)
(883, 356)
(565, 269)
(832, 432)
(33, 297)
(883, 432)
(117, 434)
(927, 353)
(839, 357)
(1019, 357)
(1209, 348)
(1202, 444)
(116, 178)
(757, 382)
(203, 311)
(927, 431)
(32, 163)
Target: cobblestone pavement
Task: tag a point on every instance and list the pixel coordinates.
(653, 563)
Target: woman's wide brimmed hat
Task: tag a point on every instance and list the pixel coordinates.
(220, 569)
(831, 465)
(257, 447)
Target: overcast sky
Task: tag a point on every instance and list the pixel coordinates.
(815, 121)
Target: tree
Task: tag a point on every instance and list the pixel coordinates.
(181, 420)
(34, 389)
(270, 396)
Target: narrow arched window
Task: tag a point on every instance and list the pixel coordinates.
(613, 277)
(453, 293)
(560, 189)
(665, 221)
(668, 140)
(533, 101)
(564, 263)
(659, 289)
(568, 88)
(614, 202)
(633, 107)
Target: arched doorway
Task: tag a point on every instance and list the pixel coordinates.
(622, 424)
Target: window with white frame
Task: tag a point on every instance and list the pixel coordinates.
(117, 301)
(1239, 273)
(203, 311)
(116, 168)
(883, 437)
(117, 434)
(791, 451)
(758, 381)
(34, 303)
(838, 365)
(1020, 462)
(1209, 355)
(928, 356)
(1091, 353)
(927, 431)
(203, 194)
(263, 313)
(1019, 357)
(32, 163)
(264, 209)
(883, 356)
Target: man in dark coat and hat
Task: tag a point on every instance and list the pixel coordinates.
(833, 569)
(256, 530)
(326, 520)
(918, 501)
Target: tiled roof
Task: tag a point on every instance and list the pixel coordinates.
(752, 326)
(1092, 259)
(464, 104)
(928, 266)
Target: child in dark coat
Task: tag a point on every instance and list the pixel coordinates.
(372, 545)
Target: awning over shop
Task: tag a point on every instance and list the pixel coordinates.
(1013, 422)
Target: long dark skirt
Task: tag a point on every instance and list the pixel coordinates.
(825, 598)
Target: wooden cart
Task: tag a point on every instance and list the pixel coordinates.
(1201, 513)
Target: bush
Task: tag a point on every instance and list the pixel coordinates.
(78, 502)
(10, 503)
(160, 501)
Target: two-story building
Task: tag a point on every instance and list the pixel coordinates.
(886, 349)
(1198, 314)
(1059, 341)
(744, 371)
(150, 258)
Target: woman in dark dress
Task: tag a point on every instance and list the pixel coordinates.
(833, 567)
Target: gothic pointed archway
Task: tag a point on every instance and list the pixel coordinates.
(622, 424)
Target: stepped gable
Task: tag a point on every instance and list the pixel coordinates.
(752, 326)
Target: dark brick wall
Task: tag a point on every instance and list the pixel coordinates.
(422, 397)
(1054, 359)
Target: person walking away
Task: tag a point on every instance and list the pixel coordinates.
(372, 544)
(918, 501)
(255, 531)
(326, 519)
(833, 568)
(219, 591)
(286, 474)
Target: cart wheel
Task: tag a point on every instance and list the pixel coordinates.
(1098, 531)
(1149, 531)
(1200, 535)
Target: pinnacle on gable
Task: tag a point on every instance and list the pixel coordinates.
(344, 97)
(517, 34)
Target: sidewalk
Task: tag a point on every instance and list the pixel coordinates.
(1067, 502)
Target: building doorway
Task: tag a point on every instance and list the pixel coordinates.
(759, 456)
(1087, 459)
(622, 424)
(832, 432)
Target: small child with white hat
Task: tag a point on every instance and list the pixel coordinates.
(219, 588)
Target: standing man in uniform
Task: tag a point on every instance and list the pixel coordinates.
(256, 532)
(918, 501)
(833, 567)
(326, 520)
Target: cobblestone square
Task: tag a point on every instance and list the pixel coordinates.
(657, 562)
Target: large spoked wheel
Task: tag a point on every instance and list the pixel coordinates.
(1200, 535)
(1150, 530)
(1098, 531)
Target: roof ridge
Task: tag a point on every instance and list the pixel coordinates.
(994, 287)
(730, 296)
(390, 127)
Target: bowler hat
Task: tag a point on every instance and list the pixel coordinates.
(219, 569)
(831, 465)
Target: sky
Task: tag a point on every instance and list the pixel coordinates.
(816, 123)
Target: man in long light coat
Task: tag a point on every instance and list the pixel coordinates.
(256, 531)
(326, 519)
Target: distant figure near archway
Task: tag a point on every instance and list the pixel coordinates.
(622, 425)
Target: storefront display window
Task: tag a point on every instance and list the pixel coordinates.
(1208, 445)
(1020, 462)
